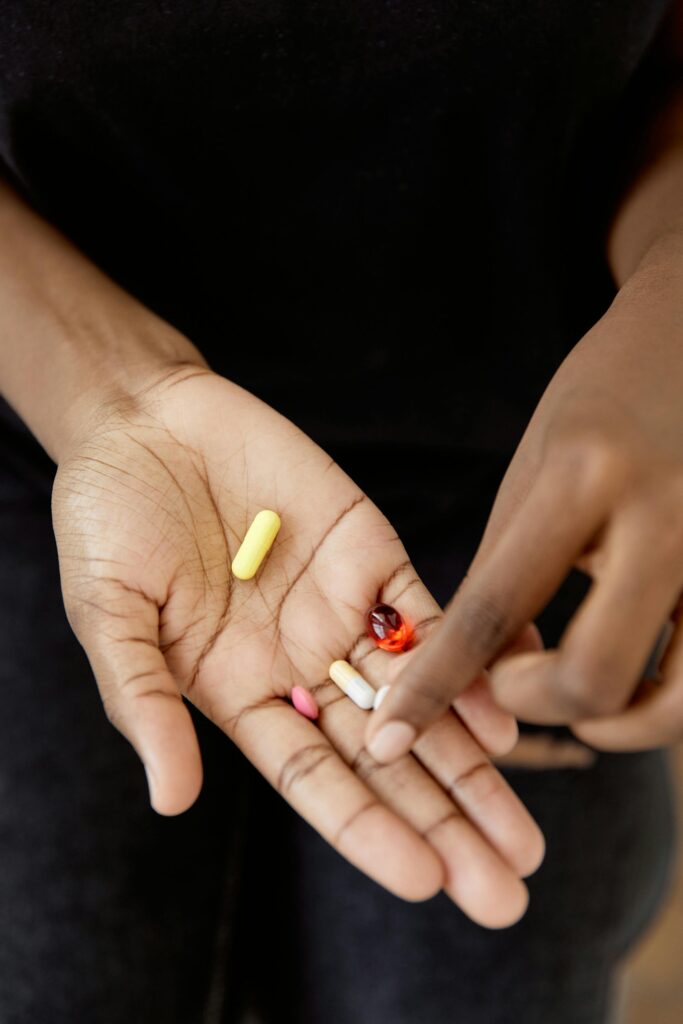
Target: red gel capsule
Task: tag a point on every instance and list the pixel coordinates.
(387, 628)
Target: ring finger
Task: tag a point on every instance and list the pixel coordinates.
(479, 877)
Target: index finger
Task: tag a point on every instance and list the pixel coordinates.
(524, 567)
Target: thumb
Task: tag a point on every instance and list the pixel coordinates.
(140, 696)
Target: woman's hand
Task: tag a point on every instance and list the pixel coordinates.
(149, 509)
(596, 483)
(150, 505)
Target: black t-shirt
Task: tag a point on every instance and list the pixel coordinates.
(385, 217)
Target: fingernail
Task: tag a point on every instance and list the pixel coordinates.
(392, 741)
(380, 695)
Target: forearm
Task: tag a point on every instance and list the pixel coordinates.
(634, 353)
(70, 337)
(649, 214)
(653, 205)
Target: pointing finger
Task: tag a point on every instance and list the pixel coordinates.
(523, 569)
(494, 728)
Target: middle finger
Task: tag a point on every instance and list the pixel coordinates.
(605, 647)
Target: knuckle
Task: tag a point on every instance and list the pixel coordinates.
(591, 460)
(483, 622)
(365, 766)
(370, 807)
(578, 699)
(430, 695)
(304, 762)
(121, 695)
(480, 783)
(141, 684)
(588, 690)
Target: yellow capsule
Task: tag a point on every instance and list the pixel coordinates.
(256, 544)
(352, 684)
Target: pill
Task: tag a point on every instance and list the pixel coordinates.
(352, 684)
(304, 702)
(256, 544)
(387, 628)
(380, 695)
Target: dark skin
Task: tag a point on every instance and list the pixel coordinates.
(162, 464)
(595, 484)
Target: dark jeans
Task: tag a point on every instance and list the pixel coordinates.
(110, 914)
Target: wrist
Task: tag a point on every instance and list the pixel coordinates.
(115, 371)
(633, 356)
(72, 341)
(85, 367)
(655, 288)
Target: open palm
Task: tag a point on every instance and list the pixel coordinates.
(149, 512)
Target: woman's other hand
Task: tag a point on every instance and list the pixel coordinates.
(596, 484)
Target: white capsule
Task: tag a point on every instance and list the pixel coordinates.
(380, 695)
(352, 684)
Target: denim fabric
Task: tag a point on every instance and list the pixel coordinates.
(111, 914)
